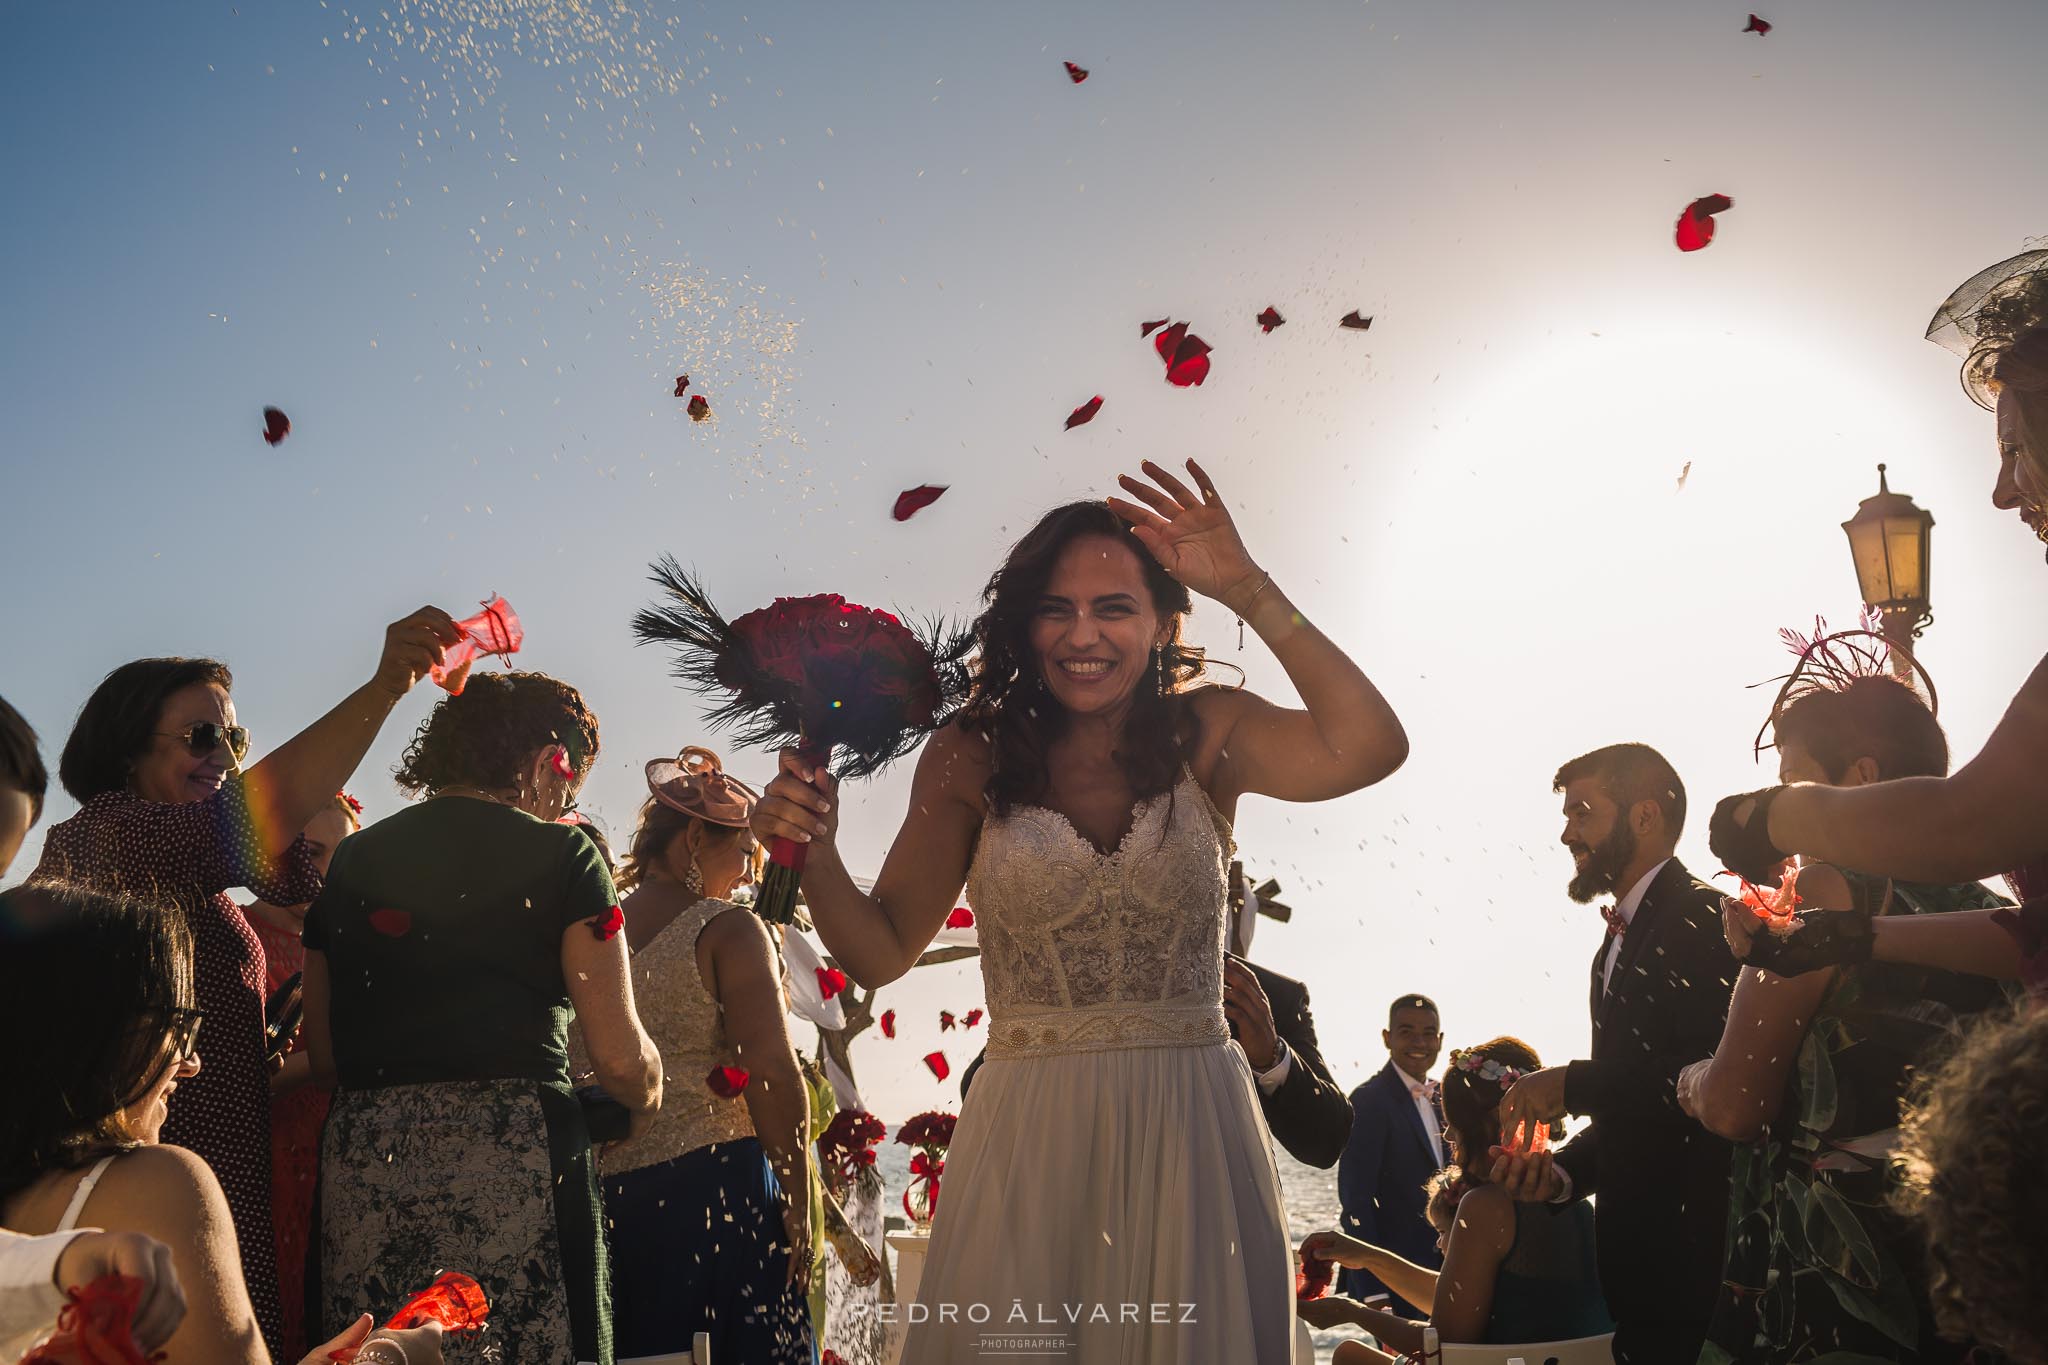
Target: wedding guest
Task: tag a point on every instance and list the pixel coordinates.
(1810, 1071)
(1973, 1149)
(444, 957)
(1659, 995)
(81, 1130)
(709, 1210)
(1512, 1272)
(1987, 816)
(23, 780)
(1084, 797)
(1396, 1143)
(1269, 1017)
(168, 815)
(298, 1108)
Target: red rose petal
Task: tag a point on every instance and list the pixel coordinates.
(888, 1023)
(961, 918)
(682, 382)
(1076, 74)
(1354, 321)
(973, 1018)
(1084, 414)
(1146, 329)
(946, 1020)
(1186, 355)
(912, 501)
(1696, 224)
(391, 923)
(1270, 319)
(607, 925)
(727, 1082)
(831, 981)
(276, 426)
(699, 408)
(1757, 26)
(937, 1062)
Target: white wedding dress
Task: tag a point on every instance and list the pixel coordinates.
(1110, 1197)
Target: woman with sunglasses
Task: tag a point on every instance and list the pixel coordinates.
(446, 954)
(106, 988)
(169, 817)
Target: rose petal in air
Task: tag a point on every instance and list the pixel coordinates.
(1270, 319)
(1354, 321)
(1696, 224)
(276, 426)
(888, 1023)
(914, 500)
(1076, 74)
(937, 1062)
(727, 1082)
(682, 382)
(391, 923)
(1084, 414)
(699, 408)
(1186, 356)
(973, 1018)
(831, 981)
(1146, 329)
(961, 918)
(607, 925)
(946, 1020)
(1757, 26)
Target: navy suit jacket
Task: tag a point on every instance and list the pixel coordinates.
(1381, 1175)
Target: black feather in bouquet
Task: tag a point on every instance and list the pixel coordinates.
(852, 688)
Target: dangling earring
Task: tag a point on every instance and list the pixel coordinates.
(1159, 663)
(693, 880)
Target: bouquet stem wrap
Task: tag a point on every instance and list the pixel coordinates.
(921, 1196)
(776, 902)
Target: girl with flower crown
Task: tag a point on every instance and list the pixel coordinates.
(1513, 1272)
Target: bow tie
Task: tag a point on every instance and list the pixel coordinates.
(1422, 1090)
(1616, 924)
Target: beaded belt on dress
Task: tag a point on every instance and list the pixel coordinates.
(1040, 1032)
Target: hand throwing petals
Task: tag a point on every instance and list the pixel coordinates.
(914, 500)
(1696, 224)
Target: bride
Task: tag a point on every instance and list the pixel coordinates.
(1110, 1194)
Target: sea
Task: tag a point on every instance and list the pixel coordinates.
(1310, 1195)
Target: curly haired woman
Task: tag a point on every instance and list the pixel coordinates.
(443, 959)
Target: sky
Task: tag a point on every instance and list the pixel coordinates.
(468, 246)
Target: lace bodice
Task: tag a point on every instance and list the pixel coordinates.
(1083, 950)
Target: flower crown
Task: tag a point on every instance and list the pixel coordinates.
(1484, 1067)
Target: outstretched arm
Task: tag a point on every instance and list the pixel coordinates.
(1984, 819)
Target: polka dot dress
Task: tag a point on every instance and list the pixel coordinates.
(187, 855)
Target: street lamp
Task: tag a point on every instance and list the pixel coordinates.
(1888, 538)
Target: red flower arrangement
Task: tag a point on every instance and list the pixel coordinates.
(848, 1143)
(96, 1326)
(931, 1133)
(820, 673)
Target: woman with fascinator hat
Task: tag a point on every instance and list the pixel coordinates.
(711, 1223)
(1991, 815)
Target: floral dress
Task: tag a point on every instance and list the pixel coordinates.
(454, 1142)
(1819, 1267)
(186, 855)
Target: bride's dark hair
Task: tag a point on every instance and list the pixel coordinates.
(1009, 703)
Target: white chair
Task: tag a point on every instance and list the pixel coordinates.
(700, 1354)
(1581, 1351)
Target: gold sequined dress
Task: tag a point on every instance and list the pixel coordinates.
(1110, 1197)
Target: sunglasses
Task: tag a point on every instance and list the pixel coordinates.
(207, 737)
(185, 1033)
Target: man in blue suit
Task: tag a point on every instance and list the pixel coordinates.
(1396, 1146)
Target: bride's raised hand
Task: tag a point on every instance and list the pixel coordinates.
(1191, 536)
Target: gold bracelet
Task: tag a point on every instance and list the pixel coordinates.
(1265, 582)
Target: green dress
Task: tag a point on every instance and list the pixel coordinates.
(454, 1142)
(1819, 1267)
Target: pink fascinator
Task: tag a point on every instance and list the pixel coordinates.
(695, 783)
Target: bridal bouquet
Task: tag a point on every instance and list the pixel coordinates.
(931, 1133)
(848, 1144)
(820, 673)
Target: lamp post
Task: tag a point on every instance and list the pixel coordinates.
(1889, 540)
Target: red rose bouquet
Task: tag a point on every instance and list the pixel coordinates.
(931, 1133)
(820, 673)
(847, 1145)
